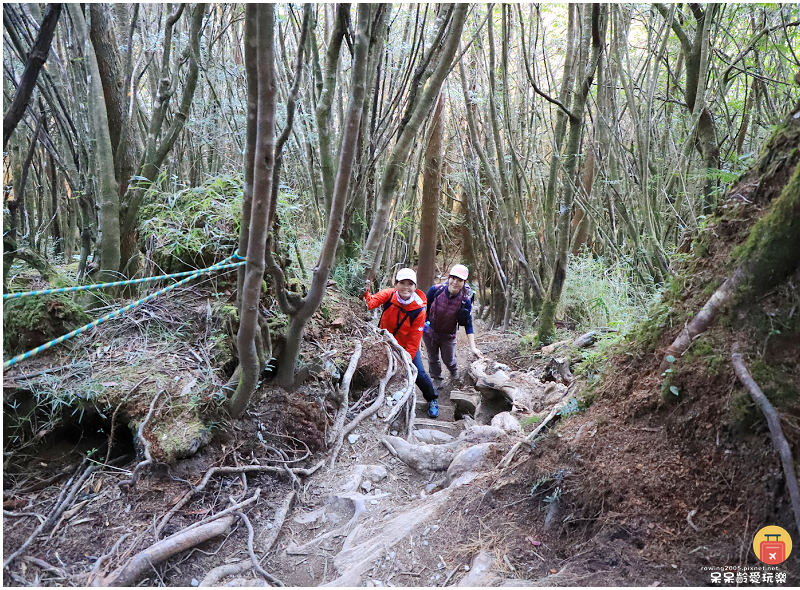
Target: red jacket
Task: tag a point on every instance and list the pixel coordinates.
(410, 334)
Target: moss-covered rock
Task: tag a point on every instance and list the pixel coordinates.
(29, 322)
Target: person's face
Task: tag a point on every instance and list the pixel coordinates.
(454, 284)
(405, 288)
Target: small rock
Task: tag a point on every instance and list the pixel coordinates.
(366, 485)
(475, 458)
(397, 396)
(373, 501)
(425, 543)
(194, 582)
(352, 438)
(507, 422)
(269, 525)
(430, 487)
(394, 433)
(375, 473)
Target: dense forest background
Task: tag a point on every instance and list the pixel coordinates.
(534, 143)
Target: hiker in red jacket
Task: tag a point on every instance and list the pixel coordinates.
(404, 317)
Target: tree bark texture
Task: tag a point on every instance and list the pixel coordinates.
(108, 197)
(264, 160)
(431, 192)
(593, 13)
(115, 91)
(323, 110)
(347, 153)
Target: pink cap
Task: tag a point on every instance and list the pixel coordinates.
(406, 273)
(460, 271)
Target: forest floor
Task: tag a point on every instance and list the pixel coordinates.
(628, 488)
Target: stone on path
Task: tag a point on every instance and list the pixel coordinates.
(475, 458)
(507, 422)
(480, 573)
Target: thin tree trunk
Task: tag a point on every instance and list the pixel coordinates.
(347, 153)
(592, 32)
(108, 216)
(36, 59)
(264, 160)
(565, 97)
(399, 155)
(323, 110)
(431, 191)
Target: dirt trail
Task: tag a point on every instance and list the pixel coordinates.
(600, 498)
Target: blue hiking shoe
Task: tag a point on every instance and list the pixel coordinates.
(433, 409)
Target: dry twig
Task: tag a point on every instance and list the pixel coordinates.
(63, 502)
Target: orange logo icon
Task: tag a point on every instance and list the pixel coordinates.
(772, 545)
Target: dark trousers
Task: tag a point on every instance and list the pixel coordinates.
(436, 344)
(423, 381)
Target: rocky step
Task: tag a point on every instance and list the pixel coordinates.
(446, 411)
(465, 401)
(451, 428)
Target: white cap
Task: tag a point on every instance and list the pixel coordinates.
(460, 271)
(406, 273)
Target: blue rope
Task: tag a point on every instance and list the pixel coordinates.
(216, 266)
(113, 314)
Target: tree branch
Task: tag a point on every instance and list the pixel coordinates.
(36, 59)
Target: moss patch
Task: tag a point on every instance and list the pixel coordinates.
(29, 322)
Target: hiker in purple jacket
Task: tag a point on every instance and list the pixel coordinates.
(449, 306)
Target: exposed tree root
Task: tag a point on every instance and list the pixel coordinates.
(775, 430)
(103, 558)
(127, 574)
(227, 470)
(703, 319)
(250, 534)
(409, 398)
(344, 395)
(278, 520)
(148, 458)
(359, 504)
(214, 576)
(506, 461)
(368, 411)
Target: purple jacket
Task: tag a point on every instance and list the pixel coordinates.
(442, 310)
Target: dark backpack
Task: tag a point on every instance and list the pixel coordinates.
(410, 315)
